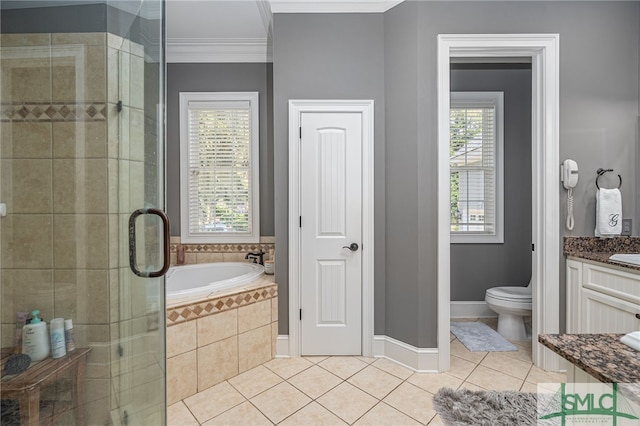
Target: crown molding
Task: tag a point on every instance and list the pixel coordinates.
(191, 50)
(332, 6)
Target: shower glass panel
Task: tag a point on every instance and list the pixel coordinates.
(81, 149)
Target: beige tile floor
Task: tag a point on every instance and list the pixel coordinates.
(353, 390)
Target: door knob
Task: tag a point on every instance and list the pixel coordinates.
(352, 247)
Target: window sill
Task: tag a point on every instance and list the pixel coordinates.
(477, 239)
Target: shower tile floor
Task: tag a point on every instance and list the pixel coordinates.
(354, 390)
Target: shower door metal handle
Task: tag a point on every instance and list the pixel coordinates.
(132, 243)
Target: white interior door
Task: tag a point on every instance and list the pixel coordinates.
(331, 233)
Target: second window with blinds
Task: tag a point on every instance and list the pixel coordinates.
(219, 144)
(476, 167)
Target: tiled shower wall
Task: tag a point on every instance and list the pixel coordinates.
(71, 164)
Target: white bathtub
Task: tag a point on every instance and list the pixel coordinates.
(196, 282)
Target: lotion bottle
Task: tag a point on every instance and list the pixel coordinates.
(35, 339)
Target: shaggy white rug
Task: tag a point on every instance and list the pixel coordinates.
(491, 408)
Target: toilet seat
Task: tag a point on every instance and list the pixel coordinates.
(511, 294)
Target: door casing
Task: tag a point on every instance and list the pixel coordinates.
(544, 52)
(296, 109)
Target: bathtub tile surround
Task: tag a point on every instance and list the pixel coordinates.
(181, 380)
(209, 253)
(182, 337)
(353, 390)
(216, 362)
(254, 347)
(214, 340)
(214, 328)
(253, 316)
(262, 289)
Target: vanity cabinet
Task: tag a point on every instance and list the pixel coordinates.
(601, 298)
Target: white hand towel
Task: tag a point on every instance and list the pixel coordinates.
(608, 212)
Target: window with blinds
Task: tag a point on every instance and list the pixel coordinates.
(219, 167)
(475, 163)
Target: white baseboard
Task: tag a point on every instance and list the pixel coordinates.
(421, 360)
(282, 346)
(471, 310)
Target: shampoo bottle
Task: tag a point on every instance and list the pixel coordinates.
(35, 339)
(58, 348)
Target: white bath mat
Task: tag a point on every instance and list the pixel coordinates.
(479, 337)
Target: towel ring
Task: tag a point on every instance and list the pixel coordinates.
(602, 171)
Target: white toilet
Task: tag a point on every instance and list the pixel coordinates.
(511, 304)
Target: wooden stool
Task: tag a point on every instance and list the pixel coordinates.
(26, 386)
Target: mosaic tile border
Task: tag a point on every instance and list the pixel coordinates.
(223, 248)
(54, 111)
(190, 312)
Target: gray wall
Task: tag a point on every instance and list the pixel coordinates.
(407, 258)
(220, 78)
(392, 58)
(598, 110)
(477, 267)
(317, 56)
(636, 221)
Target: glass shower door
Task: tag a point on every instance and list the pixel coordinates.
(143, 227)
(81, 149)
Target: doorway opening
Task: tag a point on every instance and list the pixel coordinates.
(543, 51)
(491, 191)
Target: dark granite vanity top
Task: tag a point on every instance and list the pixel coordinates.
(602, 356)
(600, 249)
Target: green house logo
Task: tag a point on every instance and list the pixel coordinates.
(587, 403)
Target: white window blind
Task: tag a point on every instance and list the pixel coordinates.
(475, 166)
(220, 162)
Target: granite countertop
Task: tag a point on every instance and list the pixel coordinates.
(600, 249)
(602, 356)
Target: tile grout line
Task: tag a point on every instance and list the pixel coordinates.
(285, 380)
(524, 381)
(190, 412)
(403, 381)
(378, 400)
(260, 411)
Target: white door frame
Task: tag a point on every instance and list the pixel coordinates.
(296, 108)
(543, 50)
